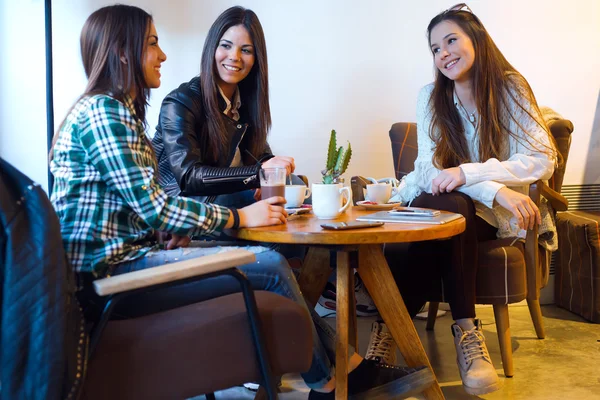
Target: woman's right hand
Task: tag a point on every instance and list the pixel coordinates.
(281, 162)
(521, 206)
(263, 213)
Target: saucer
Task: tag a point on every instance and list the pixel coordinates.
(371, 206)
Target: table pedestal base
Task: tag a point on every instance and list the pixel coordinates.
(376, 275)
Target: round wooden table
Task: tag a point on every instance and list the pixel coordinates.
(373, 269)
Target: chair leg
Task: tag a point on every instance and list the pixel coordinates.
(210, 396)
(432, 315)
(536, 316)
(503, 327)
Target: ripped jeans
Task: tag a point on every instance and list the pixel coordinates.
(270, 272)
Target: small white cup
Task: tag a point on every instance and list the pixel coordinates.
(295, 195)
(380, 192)
(328, 199)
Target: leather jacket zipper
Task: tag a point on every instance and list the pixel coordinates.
(229, 179)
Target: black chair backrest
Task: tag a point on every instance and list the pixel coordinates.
(403, 136)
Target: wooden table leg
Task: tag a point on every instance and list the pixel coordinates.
(314, 275)
(342, 315)
(352, 322)
(376, 275)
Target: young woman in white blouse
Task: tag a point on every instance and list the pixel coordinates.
(481, 141)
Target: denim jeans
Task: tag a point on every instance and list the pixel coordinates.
(270, 272)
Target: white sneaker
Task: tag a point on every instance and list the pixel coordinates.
(474, 363)
(382, 347)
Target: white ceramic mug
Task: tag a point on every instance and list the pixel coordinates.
(327, 200)
(380, 192)
(295, 195)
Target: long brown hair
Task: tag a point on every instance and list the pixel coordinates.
(495, 82)
(112, 47)
(254, 89)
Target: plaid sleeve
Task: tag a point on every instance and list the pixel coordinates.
(114, 142)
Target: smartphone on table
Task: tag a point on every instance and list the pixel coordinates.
(340, 226)
(414, 212)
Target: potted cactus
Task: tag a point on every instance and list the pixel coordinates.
(337, 160)
(328, 197)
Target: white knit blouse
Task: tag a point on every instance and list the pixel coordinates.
(526, 160)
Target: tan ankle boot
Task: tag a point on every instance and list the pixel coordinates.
(382, 347)
(474, 363)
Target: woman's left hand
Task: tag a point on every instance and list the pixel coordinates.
(281, 162)
(448, 180)
(173, 240)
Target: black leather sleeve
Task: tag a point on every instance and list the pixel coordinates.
(266, 155)
(181, 122)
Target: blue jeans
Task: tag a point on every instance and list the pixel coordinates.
(270, 272)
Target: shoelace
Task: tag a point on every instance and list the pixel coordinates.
(381, 345)
(471, 343)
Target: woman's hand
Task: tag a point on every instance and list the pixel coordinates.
(257, 194)
(263, 213)
(173, 240)
(281, 162)
(521, 206)
(448, 180)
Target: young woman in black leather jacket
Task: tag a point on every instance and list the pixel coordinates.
(211, 138)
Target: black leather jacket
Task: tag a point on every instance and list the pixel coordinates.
(178, 143)
(43, 342)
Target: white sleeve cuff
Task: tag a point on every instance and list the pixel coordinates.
(488, 193)
(471, 172)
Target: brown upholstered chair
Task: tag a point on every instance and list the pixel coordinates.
(200, 348)
(508, 272)
(175, 354)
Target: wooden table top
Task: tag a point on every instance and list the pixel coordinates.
(306, 229)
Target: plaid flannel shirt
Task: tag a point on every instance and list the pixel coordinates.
(106, 193)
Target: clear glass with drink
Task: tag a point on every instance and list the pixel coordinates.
(272, 182)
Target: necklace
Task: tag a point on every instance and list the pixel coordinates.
(470, 115)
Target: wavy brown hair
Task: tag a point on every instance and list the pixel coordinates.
(254, 89)
(109, 35)
(495, 84)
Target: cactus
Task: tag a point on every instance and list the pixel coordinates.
(338, 159)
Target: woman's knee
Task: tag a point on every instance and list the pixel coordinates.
(456, 202)
(275, 263)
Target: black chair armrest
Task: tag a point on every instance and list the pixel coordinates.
(358, 184)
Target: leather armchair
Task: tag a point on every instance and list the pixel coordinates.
(180, 353)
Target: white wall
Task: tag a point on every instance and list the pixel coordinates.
(352, 65)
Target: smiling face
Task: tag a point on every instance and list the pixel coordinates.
(453, 51)
(152, 59)
(234, 58)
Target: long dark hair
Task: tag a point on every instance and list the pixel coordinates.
(254, 89)
(494, 82)
(112, 47)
